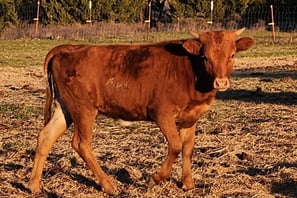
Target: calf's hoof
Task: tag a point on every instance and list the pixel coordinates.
(108, 187)
(154, 180)
(188, 183)
(34, 187)
(151, 184)
(188, 186)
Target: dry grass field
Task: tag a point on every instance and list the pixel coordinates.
(245, 146)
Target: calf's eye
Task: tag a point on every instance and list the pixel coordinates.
(204, 57)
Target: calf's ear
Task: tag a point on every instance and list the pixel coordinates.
(192, 46)
(244, 43)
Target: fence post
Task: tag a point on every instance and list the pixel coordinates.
(211, 13)
(90, 12)
(272, 23)
(37, 20)
(148, 21)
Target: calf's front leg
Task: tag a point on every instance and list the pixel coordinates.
(170, 132)
(187, 136)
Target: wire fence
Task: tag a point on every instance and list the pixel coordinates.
(259, 21)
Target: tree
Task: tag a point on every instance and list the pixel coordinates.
(55, 13)
(26, 9)
(8, 14)
(78, 10)
(114, 10)
(127, 11)
(188, 8)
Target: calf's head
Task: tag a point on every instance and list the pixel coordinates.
(216, 50)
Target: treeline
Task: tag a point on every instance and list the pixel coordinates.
(63, 12)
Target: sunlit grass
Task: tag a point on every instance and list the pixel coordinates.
(25, 53)
(20, 111)
(269, 50)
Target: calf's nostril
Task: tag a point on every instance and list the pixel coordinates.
(221, 83)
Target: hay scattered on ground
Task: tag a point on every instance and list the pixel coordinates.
(246, 145)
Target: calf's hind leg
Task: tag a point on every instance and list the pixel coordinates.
(81, 143)
(46, 138)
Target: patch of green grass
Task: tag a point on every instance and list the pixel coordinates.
(20, 111)
(12, 145)
(269, 50)
(264, 46)
(25, 53)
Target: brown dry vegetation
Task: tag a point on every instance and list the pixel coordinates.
(246, 145)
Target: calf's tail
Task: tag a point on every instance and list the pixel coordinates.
(51, 89)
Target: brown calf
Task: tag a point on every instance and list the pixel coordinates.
(171, 83)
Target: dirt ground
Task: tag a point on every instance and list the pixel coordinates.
(245, 146)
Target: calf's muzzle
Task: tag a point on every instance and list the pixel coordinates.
(221, 84)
